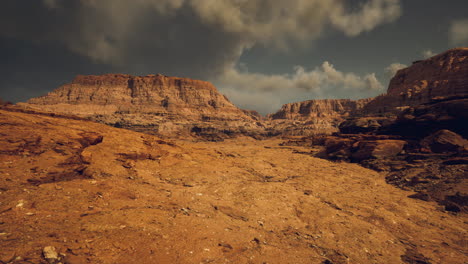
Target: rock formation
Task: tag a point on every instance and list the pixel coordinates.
(441, 78)
(438, 78)
(415, 134)
(180, 107)
(319, 109)
(153, 104)
(313, 116)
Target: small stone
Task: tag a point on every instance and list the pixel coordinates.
(189, 184)
(50, 254)
(20, 203)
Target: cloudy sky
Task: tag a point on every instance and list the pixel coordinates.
(260, 53)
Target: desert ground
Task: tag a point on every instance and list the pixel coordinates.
(99, 194)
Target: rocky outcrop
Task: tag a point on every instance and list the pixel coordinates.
(325, 108)
(434, 167)
(154, 104)
(441, 77)
(314, 116)
(378, 149)
(415, 134)
(364, 124)
(420, 121)
(444, 141)
(357, 147)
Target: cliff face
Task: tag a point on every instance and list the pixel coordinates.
(180, 106)
(319, 109)
(153, 103)
(313, 116)
(153, 93)
(441, 77)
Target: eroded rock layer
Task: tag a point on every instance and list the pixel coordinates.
(319, 108)
(153, 103)
(314, 116)
(442, 77)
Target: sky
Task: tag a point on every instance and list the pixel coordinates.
(259, 53)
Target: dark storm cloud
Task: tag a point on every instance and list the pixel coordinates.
(124, 34)
(193, 38)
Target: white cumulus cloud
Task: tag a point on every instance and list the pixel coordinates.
(459, 32)
(428, 53)
(393, 68)
(262, 91)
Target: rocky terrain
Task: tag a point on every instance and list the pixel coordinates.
(415, 134)
(313, 117)
(378, 180)
(75, 191)
(158, 104)
(442, 78)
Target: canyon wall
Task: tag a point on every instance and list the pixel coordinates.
(313, 116)
(154, 104)
(441, 77)
(319, 109)
(175, 106)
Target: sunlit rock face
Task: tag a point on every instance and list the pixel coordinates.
(314, 116)
(154, 103)
(442, 77)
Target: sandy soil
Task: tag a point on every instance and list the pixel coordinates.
(105, 195)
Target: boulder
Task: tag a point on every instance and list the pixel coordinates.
(364, 124)
(423, 120)
(445, 141)
(378, 149)
(338, 148)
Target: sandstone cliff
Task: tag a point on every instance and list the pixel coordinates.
(313, 116)
(154, 103)
(319, 109)
(438, 78)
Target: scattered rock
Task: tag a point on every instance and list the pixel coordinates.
(363, 124)
(412, 256)
(50, 254)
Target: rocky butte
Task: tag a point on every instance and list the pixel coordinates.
(154, 104)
